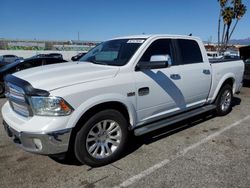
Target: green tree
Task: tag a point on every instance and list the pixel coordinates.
(230, 12)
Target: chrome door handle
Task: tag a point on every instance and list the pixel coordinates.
(143, 91)
(175, 76)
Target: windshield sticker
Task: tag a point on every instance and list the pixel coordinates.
(136, 41)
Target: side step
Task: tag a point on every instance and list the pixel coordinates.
(174, 119)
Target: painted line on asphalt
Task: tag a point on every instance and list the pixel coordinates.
(163, 163)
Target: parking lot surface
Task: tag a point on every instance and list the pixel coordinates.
(205, 151)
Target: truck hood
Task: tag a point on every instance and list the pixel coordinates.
(51, 77)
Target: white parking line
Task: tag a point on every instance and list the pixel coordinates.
(159, 165)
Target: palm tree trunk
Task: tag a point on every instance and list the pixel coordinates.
(227, 34)
(219, 23)
(233, 29)
(223, 38)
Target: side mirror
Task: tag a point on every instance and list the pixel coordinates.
(156, 62)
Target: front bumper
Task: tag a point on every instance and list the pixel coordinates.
(40, 143)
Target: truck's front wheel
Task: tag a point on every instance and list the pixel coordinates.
(102, 138)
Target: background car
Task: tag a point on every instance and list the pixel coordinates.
(247, 70)
(19, 65)
(245, 55)
(6, 59)
(78, 56)
(53, 55)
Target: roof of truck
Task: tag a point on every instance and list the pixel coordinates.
(156, 35)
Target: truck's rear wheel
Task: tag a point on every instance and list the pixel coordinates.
(224, 100)
(102, 138)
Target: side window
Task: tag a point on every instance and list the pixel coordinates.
(25, 65)
(189, 51)
(158, 47)
(52, 61)
(30, 64)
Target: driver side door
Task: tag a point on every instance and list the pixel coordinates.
(159, 91)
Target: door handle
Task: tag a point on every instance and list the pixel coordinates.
(143, 91)
(175, 76)
(206, 71)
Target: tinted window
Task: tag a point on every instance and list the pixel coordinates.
(53, 61)
(189, 51)
(158, 47)
(30, 64)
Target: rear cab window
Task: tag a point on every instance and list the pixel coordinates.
(189, 51)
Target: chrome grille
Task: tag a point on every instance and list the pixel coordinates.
(17, 99)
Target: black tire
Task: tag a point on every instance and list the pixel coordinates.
(2, 89)
(82, 148)
(224, 106)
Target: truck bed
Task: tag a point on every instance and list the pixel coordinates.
(226, 68)
(222, 60)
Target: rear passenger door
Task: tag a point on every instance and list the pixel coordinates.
(195, 74)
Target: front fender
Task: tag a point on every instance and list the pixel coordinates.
(88, 104)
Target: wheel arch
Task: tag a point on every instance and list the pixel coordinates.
(91, 106)
(229, 79)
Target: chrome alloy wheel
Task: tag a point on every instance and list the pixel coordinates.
(226, 99)
(103, 139)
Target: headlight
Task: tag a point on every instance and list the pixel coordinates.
(50, 106)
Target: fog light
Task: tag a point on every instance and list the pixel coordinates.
(38, 143)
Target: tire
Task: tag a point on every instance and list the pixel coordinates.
(102, 139)
(224, 101)
(2, 89)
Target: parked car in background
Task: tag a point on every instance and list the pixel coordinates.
(6, 59)
(214, 55)
(245, 55)
(52, 55)
(231, 57)
(19, 65)
(247, 70)
(78, 56)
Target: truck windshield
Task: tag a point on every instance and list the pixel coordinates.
(114, 52)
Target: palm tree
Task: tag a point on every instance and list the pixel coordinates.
(228, 15)
(240, 10)
(222, 5)
(229, 11)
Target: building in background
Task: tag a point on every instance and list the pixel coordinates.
(72, 45)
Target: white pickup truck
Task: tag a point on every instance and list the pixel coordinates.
(130, 84)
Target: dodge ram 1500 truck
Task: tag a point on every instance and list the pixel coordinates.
(130, 84)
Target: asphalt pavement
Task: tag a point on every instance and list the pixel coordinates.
(206, 151)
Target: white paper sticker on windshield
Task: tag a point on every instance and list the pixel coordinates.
(136, 41)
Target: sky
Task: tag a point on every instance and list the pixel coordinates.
(100, 20)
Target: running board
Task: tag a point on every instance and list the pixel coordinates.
(174, 119)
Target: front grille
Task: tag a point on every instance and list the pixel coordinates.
(17, 99)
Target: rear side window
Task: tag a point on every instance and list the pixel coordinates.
(189, 51)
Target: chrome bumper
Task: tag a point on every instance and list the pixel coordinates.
(44, 143)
